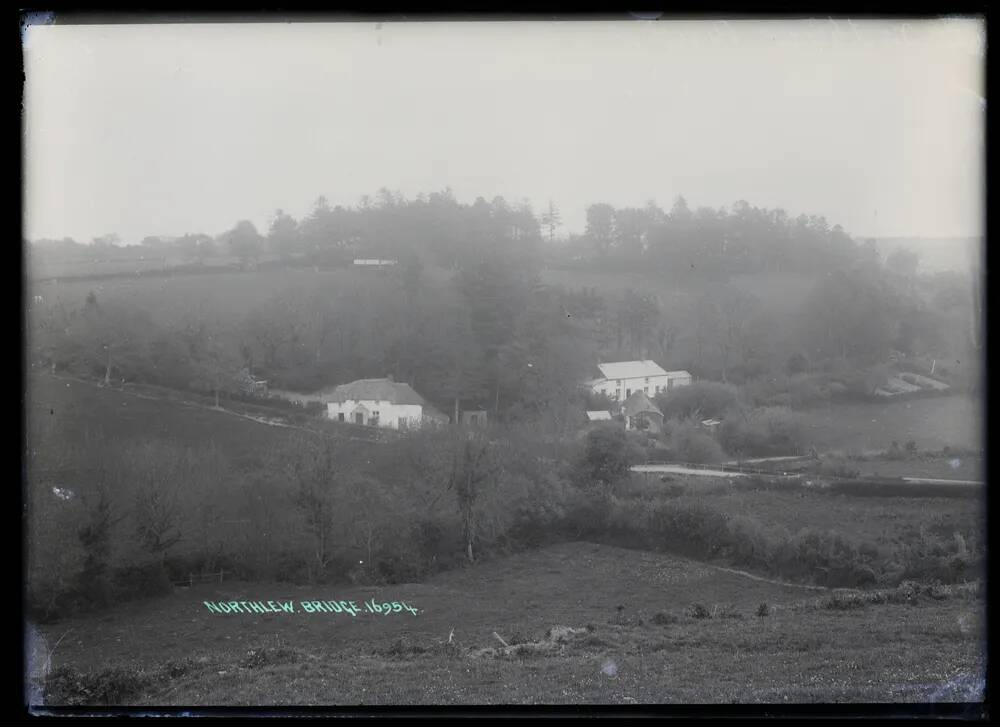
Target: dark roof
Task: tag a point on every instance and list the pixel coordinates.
(637, 403)
(373, 390)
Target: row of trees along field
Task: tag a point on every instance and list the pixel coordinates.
(704, 242)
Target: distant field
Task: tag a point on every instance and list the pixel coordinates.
(877, 519)
(639, 641)
(933, 423)
(79, 408)
(41, 267)
(234, 291)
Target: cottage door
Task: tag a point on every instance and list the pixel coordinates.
(359, 418)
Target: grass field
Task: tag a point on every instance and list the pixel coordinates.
(932, 422)
(77, 406)
(640, 641)
(233, 291)
(879, 519)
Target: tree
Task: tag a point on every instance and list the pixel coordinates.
(112, 337)
(601, 226)
(313, 468)
(850, 314)
(95, 537)
(214, 357)
(636, 316)
(283, 238)
(736, 309)
(244, 242)
(605, 460)
(157, 473)
(374, 514)
(551, 220)
(194, 247)
(631, 231)
(107, 241)
(903, 263)
(474, 466)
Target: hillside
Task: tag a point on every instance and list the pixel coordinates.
(641, 638)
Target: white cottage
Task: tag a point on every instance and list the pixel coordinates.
(378, 403)
(620, 379)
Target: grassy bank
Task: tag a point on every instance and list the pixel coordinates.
(645, 628)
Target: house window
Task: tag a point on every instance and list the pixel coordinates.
(340, 417)
(628, 392)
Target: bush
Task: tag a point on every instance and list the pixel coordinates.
(796, 391)
(838, 467)
(606, 458)
(702, 399)
(763, 432)
(763, 610)
(112, 686)
(690, 444)
(699, 611)
(693, 530)
(144, 580)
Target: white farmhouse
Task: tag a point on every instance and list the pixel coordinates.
(378, 403)
(620, 379)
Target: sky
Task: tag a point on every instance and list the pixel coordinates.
(168, 129)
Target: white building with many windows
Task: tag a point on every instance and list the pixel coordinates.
(620, 379)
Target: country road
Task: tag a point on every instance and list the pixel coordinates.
(705, 472)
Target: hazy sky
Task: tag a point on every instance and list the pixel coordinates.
(166, 129)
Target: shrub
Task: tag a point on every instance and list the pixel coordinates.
(663, 619)
(112, 686)
(693, 530)
(264, 656)
(763, 610)
(838, 467)
(690, 444)
(606, 457)
(143, 580)
(843, 602)
(763, 432)
(702, 399)
(797, 363)
(699, 611)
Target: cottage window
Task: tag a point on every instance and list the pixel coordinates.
(340, 417)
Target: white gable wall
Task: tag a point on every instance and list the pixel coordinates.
(390, 415)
